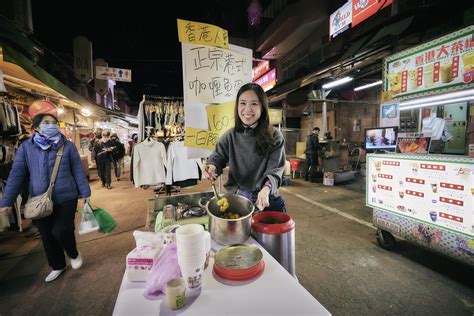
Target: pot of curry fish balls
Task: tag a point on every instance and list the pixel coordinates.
(230, 218)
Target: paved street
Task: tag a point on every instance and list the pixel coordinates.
(338, 261)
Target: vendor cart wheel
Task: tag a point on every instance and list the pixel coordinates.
(386, 240)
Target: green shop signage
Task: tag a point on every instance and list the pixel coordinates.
(442, 65)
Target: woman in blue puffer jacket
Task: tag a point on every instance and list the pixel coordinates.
(34, 164)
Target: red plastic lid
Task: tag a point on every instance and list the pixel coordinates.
(272, 223)
(240, 274)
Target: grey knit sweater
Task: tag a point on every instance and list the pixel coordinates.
(247, 169)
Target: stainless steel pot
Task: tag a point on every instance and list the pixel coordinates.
(230, 231)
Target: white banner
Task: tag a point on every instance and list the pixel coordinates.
(214, 75)
(211, 76)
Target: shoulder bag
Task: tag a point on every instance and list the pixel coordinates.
(42, 205)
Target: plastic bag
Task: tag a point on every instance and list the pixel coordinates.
(165, 268)
(106, 222)
(88, 222)
(148, 239)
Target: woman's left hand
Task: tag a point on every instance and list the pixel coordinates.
(263, 200)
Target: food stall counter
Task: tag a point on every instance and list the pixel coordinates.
(274, 292)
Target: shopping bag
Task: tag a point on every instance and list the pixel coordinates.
(88, 222)
(106, 222)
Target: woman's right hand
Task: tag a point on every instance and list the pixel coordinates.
(6, 210)
(210, 171)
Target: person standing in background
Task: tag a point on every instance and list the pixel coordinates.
(312, 147)
(117, 155)
(104, 160)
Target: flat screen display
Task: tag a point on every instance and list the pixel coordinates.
(381, 138)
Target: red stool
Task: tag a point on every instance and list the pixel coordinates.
(295, 165)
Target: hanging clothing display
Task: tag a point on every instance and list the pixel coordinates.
(178, 166)
(164, 114)
(149, 159)
(9, 117)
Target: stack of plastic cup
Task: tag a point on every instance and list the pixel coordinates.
(191, 247)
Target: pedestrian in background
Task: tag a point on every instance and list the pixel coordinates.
(33, 164)
(104, 160)
(312, 148)
(117, 155)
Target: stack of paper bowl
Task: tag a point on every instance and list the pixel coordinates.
(239, 262)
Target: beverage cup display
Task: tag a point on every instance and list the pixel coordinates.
(433, 216)
(378, 165)
(412, 82)
(446, 72)
(374, 178)
(468, 61)
(401, 194)
(395, 82)
(434, 187)
(428, 72)
(374, 188)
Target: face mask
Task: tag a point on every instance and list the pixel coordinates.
(49, 130)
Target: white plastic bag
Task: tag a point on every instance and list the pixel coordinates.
(88, 222)
(148, 239)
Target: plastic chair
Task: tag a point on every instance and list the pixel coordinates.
(295, 165)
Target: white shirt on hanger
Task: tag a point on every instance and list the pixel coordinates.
(149, 159)
(178, 166)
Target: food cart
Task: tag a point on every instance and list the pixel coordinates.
(428, 199)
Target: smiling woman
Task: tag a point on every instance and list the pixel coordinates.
(254, 150)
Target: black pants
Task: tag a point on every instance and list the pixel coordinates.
(104, 166)
(57, 233)
(311, 162)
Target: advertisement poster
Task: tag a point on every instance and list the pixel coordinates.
(340, 20)
(437, 192)
(445, 64)
(363, 9)
(413, 144)
(389, 114)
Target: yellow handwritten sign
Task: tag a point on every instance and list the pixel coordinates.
(276, 116)
(200, 138)
(202, 34)
(221, 117)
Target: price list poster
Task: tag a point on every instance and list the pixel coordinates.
(437, 192)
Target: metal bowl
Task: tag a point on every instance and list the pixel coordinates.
(230, 231)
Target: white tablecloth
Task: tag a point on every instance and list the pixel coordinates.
(275, 292)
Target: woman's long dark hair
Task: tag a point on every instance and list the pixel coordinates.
(262, 131)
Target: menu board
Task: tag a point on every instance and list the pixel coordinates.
(442, 65)
(439, 192)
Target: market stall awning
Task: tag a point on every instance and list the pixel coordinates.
(20, 71)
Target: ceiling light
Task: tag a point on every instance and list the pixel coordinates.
(373, 84)
(441, 102)
(86, 112)
(337, 83)
(445, 97)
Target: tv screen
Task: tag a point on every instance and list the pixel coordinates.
(381, 138)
